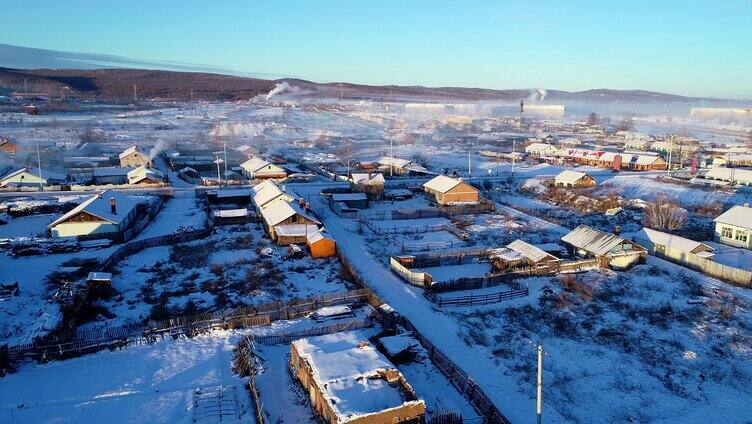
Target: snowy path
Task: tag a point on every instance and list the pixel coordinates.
(516, 402)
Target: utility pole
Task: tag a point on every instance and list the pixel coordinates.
(539, 406)
(219, 175)
(340, 91)
(670, 151)
(39, 167)
(391, 155)
(135, 94)
(224, 147)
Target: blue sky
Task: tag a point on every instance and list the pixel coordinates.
(684, 47)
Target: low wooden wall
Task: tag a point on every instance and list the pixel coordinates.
(420, 279)
(732, 275)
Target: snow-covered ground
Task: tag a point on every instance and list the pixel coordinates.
(27, 226)
(150, 383)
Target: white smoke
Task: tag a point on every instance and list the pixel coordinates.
(279, 88)
(161, 145)
(538, 95)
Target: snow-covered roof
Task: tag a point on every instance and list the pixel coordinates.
(669, 240)
(394, 162)
(296, 230)
(529, 251)
(376, 178)
(111, 171)
(730, 174)
(265, 193)
(46, 175)
(280, 211)
(344, 197)
(442, 183)
(262, 185)
(141, 173)
(99, 206)
(738, 216)
(318, 236)
(592, 240)
(394, 345)
(231, 213)
(254, 164)
(346, 368)
(570, 177)
(99, 276)
(231, 193)
(540, 146)
(129, 151)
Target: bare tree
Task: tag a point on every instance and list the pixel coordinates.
(663, 214)
(592, 119)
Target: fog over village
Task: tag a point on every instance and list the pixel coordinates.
(194, 241)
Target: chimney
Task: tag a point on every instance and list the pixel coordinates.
(113, 206)
(99, 195)
(746, 205)
(617, 230)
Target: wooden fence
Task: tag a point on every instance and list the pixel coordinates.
(729, 274)
(578, 265)
(136, 246)
(420, 279)
(459, 379)
(289, 337)
(455, 374)
(476, 299)
(84, 342)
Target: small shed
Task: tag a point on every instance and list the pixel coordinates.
(321, 245)
(99, 278)
(351, 200)
(519, 254)
(294, 233)
(230, 216)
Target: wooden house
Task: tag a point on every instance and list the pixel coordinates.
(145, 176)
(574, 179)
(257, 168)
(372, 184)
(610, 250)
(267, 193)
(104, 215)
(446, 190)
(132, 157)
(734, 227)
(284, 213)
(349, 381)
(32, 177)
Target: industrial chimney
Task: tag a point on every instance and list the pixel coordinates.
(113, 206)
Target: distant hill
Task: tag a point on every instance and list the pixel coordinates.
(117, 85)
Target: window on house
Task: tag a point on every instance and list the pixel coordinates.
(741, 236)
(726, 232)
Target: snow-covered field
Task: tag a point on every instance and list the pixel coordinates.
(656, 344)
(150, 383)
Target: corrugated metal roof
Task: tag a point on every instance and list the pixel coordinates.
(296, 230)
(529, 251)
(592, 240)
